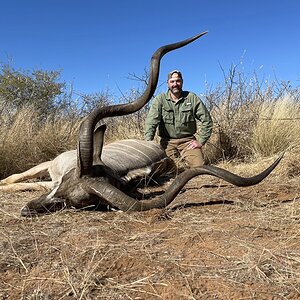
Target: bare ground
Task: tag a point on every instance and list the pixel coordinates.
(217, 241)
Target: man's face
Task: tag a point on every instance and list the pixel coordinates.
(175, 84)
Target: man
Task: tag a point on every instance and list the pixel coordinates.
(176, 113)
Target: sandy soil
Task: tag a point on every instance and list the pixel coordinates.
(216, 241)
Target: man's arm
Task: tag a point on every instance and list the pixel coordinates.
(152, 120)
(202, 114)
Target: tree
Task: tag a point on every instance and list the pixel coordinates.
(37, 88)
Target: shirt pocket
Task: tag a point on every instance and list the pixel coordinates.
(168, 116)
(187, 115)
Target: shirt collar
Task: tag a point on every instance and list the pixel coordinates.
(170, 99)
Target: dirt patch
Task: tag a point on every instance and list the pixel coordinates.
(216, 241)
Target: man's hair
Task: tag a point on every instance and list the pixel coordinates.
(174, 71)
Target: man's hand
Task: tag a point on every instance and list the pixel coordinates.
(194, 144)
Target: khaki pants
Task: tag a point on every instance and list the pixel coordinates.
(177, 150)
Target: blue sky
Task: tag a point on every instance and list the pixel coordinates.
(97, 44)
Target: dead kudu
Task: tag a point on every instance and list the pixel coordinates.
(94, 178)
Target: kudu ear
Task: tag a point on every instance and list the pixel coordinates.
(98, 140)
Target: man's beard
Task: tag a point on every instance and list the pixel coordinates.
(176, 90)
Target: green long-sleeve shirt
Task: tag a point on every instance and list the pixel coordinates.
(178, 120)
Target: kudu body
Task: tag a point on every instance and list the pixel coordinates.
(131, 160)
(93, 181)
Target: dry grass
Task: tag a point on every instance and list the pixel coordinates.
(267, 129)
(216, 242)
(255, 129)
(26, 141)
(126, 127)
(277, 128)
